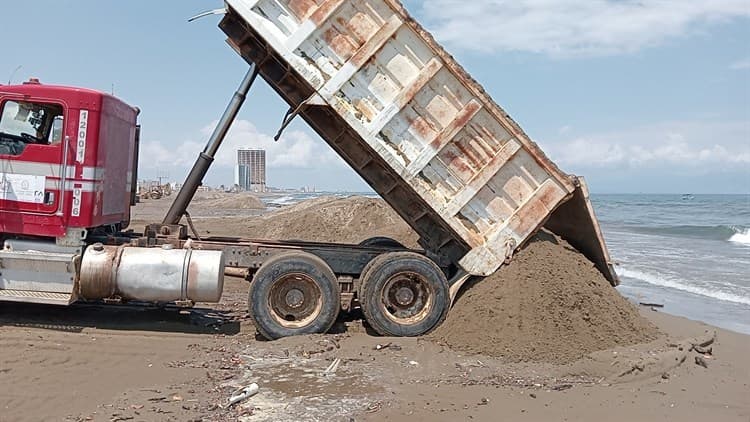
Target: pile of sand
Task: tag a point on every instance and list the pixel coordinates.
(332, 219)
(548, 305)
(202, 196)
(229, 201)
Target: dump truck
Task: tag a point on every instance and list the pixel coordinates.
(380, 91)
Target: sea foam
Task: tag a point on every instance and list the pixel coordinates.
(659, 280)
(742, 236)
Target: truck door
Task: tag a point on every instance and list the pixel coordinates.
(32, 169)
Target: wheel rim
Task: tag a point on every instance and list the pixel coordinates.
(295, 300)
(407, 298)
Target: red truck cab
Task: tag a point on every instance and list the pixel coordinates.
(68, 160)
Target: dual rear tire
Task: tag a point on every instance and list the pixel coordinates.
(402, 294)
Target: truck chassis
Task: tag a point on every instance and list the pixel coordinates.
(294, 283)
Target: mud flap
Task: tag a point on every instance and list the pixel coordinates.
(576, 222)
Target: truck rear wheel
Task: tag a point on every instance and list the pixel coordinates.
(294, 294)
(404, 294)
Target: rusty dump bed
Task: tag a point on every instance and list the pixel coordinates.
(406, 116)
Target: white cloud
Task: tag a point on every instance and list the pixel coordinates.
(741, 64)
(697, 145)
(296, 149)
(573, 27)
(701, 145)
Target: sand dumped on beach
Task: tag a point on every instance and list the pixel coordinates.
(549, 305)
(332, 219)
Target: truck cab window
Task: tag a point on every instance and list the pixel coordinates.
(23, 123)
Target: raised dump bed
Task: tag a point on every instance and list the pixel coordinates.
(408, 118)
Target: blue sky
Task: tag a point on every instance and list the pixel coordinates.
(647, 96)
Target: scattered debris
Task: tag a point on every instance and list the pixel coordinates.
(702, 344)
(651, 305)
(636, 367)
(322, 346)
(700, 361)
(374, 407)
(332, 368)
(243, 394)
(387, 346)
(704, 350)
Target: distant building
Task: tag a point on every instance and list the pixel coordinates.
(250, 172)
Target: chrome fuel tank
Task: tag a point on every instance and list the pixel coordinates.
(151, 274)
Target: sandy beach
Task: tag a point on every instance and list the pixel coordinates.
(554, 344)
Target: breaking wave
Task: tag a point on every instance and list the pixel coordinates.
(741, 237)
(730, 233)
(661, 281)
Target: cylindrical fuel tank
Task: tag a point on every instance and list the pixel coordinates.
(151, 274)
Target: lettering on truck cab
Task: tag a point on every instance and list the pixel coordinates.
(83, 124)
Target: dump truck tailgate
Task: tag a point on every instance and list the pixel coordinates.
(408, 118)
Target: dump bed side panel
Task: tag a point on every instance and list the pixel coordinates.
(576, 222)
(408, 118)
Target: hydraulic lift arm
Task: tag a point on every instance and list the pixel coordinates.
(206, 158)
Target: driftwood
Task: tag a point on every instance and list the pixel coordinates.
(636, 367)
(701, 362)
(704, 350)
(702, 345)
(705, 343)
(652, 305)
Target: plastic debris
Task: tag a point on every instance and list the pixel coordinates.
(332, 367)
(243, 394)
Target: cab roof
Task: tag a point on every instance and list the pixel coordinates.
(73, 96)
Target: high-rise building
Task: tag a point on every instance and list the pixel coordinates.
(250, 172)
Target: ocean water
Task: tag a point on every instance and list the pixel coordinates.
(690, 254)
